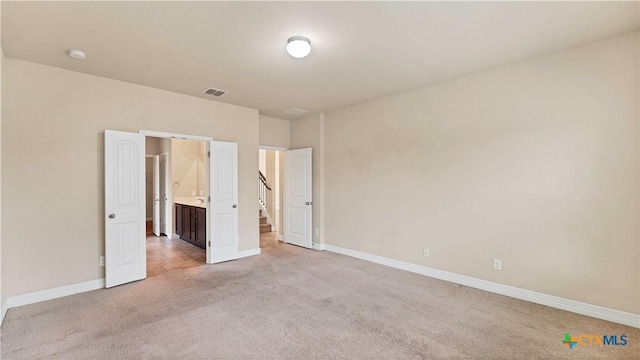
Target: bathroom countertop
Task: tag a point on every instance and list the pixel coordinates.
(191, 201)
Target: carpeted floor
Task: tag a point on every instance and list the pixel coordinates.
(293, 303)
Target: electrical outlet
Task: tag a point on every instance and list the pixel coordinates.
(497, 264)
(426, 252)
(101, 260)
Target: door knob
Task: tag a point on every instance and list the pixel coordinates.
(112, 216)
(235, 206)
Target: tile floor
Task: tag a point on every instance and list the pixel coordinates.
(165, 255)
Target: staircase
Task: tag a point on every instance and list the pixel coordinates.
(262, 200)
(264, 227)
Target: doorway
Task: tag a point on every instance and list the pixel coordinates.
(125, 218)
(176, 180)
(285, 200)
(269, 196)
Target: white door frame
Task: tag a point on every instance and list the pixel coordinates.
(156, 195)
(169, 215)
(165, 210)
(281, 220)
(155, 178)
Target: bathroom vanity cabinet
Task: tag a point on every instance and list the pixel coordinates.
(191, 224)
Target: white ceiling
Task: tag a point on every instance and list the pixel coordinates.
(360, 50)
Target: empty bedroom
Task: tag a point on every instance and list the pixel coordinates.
(436, 180)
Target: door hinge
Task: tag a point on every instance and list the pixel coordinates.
(209, 243)
(209, 154)
(209, 197)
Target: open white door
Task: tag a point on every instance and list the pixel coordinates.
(125, 248)
(156, 195)
(165, 193)
(298, 197)
(222, 225)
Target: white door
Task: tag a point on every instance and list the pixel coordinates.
(156, 195)
(165, 193)
(298, 199)
(222, 225)
(125, 247)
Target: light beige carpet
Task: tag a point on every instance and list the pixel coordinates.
(292, 303)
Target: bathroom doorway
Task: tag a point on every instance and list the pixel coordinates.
(125, 240)
(176, 188)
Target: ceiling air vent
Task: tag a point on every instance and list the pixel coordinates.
(215, 92)
(296, 111)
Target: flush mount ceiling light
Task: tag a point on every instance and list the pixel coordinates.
(77, 54)
(298, 46)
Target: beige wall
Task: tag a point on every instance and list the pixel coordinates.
(309, 132)
(151, 145)
(534, 163)
(148, 186)
(274, 132)
(271, 181)
(55, 179)
(202, 168)
(164, 147)
(184, 168)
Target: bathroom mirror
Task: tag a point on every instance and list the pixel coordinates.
(189, 167)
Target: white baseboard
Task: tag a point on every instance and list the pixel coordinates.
(3, 311)
(280, 237)
(577, 307)
(250, 252)
(317, 246)
(55, 293)
(174, 236)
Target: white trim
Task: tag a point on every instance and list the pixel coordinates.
(250, 252)
(280, 237)
(174, 236)
(160, 134)
(55, 293)
(3, 311)
(273, 148)
(574, 306)
(317, 246)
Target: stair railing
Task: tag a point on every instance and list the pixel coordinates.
(262, 189)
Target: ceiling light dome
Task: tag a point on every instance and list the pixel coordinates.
(298, 46)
